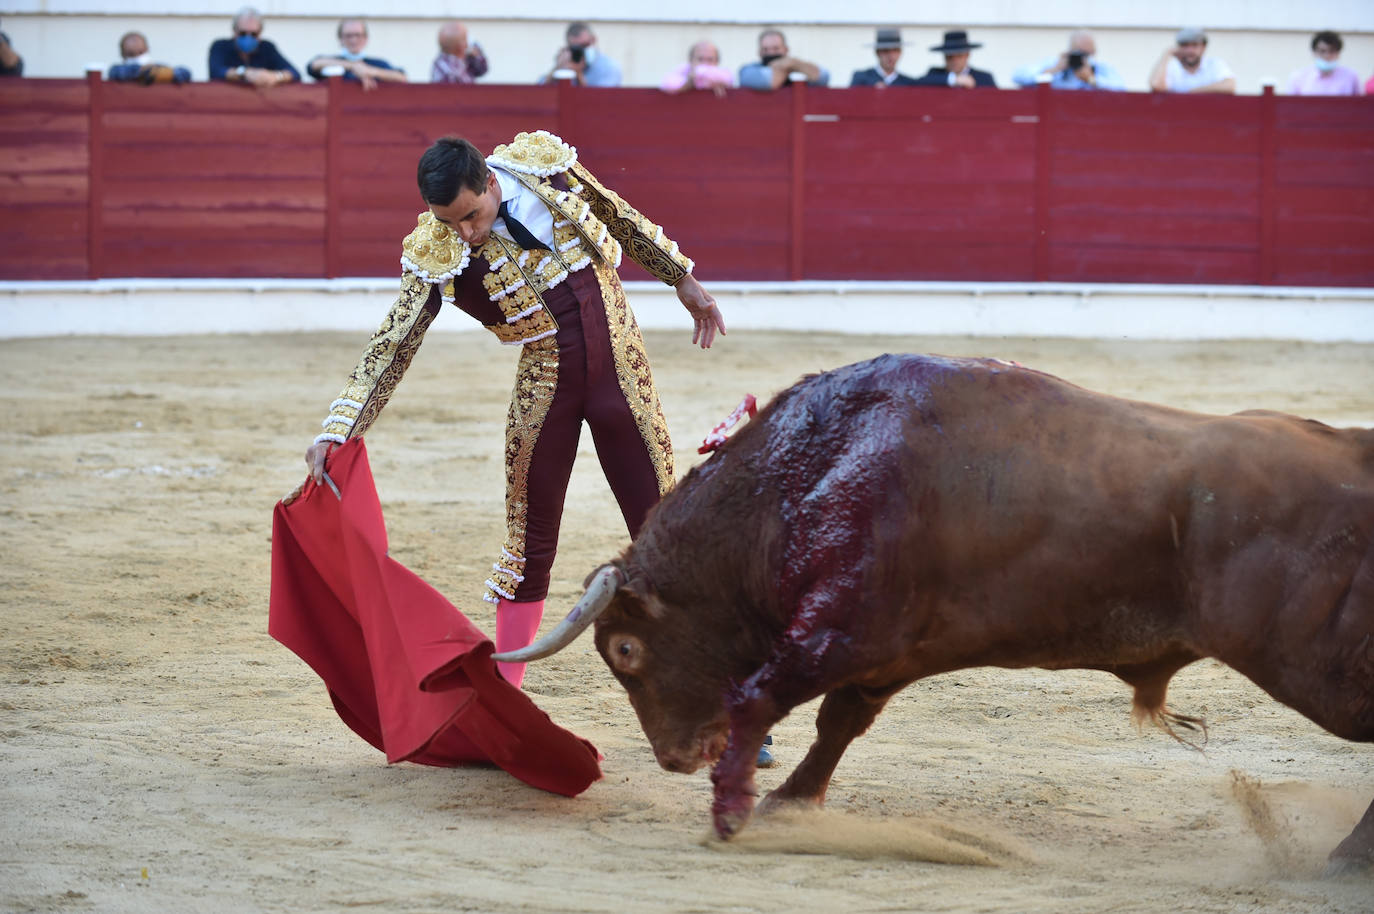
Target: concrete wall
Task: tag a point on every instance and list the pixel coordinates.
(1261, 41)
(1142, 312)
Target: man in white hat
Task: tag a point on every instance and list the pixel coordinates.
(956, 73)
(1183, 68)
(888, 48)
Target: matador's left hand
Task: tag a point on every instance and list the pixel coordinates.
(706, 316)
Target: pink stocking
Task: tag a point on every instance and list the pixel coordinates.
(516, 624)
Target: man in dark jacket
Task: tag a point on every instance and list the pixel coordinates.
(888, 49)
(956, 73)
(247, 59)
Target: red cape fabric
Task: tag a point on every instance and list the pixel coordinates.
(406, 670)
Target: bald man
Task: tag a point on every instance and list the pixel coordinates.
(458, 62)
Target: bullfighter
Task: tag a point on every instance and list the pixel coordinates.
(527, 242)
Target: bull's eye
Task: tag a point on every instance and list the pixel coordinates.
(626, 654)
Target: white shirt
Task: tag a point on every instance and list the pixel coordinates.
(1209, 70)
(524, 205)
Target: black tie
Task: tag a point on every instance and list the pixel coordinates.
(523, 236)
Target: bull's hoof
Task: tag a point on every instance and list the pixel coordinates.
(729, 817)
(776, 802)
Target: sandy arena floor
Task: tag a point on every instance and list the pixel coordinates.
(161, 753)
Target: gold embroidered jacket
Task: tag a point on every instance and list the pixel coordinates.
(500, 284)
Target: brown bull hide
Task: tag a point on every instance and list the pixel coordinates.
(914, 515)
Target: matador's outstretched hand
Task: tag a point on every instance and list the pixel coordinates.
(706, 316)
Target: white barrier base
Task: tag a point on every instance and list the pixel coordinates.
(137, 307)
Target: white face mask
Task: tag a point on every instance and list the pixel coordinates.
(142, 60)
(589, 54)
(346, 54)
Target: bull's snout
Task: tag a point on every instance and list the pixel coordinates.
(704, 750)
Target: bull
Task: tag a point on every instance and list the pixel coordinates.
(914, 515)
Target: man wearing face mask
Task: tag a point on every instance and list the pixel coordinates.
(1324, 76)
(776, 66)
(348, 61)
(136, 64)
(247, 59)
(582, 61)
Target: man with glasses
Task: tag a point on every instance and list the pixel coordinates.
(247, 59)
(348, 61)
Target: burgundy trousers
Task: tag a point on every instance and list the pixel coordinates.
(588, 390)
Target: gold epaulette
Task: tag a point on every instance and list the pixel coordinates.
(434, 252)
(539, 153)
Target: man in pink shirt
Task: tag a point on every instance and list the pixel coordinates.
(701, 71)
(1324, 76)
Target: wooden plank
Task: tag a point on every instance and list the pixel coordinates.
(1177, 230)
(132, 161)
(71, 95)
(261, 192)
(1323, 268)
(894, 258)
(1229, 202)
(921, 104)
(1181, 170)
(1139, 263)
(62, 188)
(227, 257)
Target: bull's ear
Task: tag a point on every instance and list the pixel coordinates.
(630, 604)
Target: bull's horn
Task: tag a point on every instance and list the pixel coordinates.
(598, 596)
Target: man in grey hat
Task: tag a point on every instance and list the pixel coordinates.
(956, 73)
(888, 48)
(1185, 68)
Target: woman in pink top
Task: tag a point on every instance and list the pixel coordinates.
(701, 71)
(1324, 76)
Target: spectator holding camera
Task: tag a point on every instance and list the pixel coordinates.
(582, 61)
(136, 64)
(1184, 68)
(1324, 76)
(1077, 68)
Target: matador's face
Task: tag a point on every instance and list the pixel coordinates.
(471, 214)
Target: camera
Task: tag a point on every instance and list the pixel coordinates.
(1076, 59)
(578, 54)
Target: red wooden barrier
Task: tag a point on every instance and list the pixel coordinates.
(101, 179)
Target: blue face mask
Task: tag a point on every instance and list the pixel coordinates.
(1324, 65)
(247, 43)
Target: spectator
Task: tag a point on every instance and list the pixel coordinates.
(888, 48)
(581, 58)
(777, 65)
(1369, 86)
(956, 73)
(1323, 76)
(348, 61)
(11, 64)
(136, 64)
(1183, 68)
(458, 63)
(247, 59)
(701, 71)
(1076, 68)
